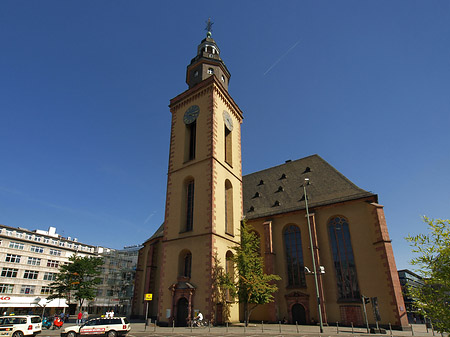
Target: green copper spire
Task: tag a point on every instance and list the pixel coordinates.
(208, 28)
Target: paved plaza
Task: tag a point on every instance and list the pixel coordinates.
(266, 330)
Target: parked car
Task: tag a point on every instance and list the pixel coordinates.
(110, 327)
(20, 325)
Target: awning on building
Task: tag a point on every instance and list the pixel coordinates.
(31, 302)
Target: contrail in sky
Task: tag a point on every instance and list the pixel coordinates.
(281, 57)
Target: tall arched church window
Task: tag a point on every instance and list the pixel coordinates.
(229, 269)
(228, 141)
(191, 131)
(189, 205)
(185, 263)
(229, 220)
(190, 120)
(294, 256)
(344, 262)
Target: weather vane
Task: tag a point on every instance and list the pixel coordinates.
(208, 28)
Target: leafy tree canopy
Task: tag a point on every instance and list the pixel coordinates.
(253, 286)
(433, 262)
(78, 279)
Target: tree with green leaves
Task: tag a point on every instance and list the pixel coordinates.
(77, 279)
(433, 261)
(253, 286)
(223, 288)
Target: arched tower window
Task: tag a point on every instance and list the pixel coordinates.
(344, 262)
(185, 263)
(188, 205)
(191, 131)
(229, 268)
(229, 219)
(294, 256)
(228, 146)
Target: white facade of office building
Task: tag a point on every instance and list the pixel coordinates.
(29, 262)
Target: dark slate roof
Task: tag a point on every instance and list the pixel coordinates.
(279, 189)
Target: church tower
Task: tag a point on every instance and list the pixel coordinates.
(204, 189)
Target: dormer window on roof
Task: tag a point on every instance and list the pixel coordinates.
(261, 182)
(276, 203)
(280, 189)
(251, 209)
(283, 176)
(307, 169)
(257, 195)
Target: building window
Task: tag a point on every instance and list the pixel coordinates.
(294, 256)
(12, 258)
(189, 204)
(9, 232)
(15, 245)
(19, 235)
(6, 288)
(344, 262)
(27, 289)
(29, 237)
(228, 147)
(210, 71)
(34, 261)
(46, 240)
(55, 252)
(37, 249)
(229, 269)
(49, 276)
(9, 272)
(31, 274)
(37, 238)
(229, 220)
(46, 290)
(186, 264)
(191, 134)
(53, 263)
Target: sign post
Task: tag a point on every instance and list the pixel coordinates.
(147, 298)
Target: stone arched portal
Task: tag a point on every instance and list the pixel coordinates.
(182, 302)
(298, 305)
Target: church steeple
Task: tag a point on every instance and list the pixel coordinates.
(207, 62)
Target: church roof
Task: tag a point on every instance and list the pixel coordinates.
(279, 189)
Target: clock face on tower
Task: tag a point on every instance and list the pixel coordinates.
(191, 114)
(227, 120)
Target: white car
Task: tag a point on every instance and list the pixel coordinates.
(110, 327)
(20, 325)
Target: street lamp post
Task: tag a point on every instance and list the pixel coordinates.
(319, 309)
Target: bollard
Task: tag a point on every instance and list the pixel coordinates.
(337, 328)
(426, 325)
(173, 325)
(352, 328)
(227, 326)
(390, 328)
(432, 328)
(191, 326)
(296, 326)
(209, 326)
(154, 328)
(245, 326)
(412, 330)
(279, 325)
(262, 326)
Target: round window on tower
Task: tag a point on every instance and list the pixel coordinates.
(210, 71)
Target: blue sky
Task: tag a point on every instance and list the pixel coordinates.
(85, 85)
